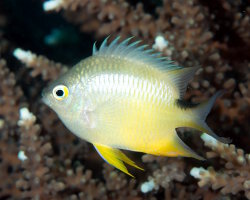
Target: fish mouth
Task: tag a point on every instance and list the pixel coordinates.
(44, 98)
(45, 101)
(43, 93)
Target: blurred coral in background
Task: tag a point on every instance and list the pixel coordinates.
(41, 159)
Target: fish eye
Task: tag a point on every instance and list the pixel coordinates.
(60, 92)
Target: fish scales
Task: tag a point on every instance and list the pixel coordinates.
(136, 95)
(134, 89)
(125, 97)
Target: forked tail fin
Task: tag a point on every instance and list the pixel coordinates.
(199, 115)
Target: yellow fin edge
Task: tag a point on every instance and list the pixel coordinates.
(173, 146)
(116, 158)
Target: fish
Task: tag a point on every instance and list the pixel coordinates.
(128, 97)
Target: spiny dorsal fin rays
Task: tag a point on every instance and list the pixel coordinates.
(125, 42)
(94, 49)
(122, 48)
(134, 52)
(115, 157)
(114, 42)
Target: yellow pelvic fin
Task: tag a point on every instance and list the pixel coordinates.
(173, 146)
(115, 157)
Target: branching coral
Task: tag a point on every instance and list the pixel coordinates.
(236, 175)
(10, 97)
(41, 176)
(40, 159)
(169, 171)
(36, 150)
(174, 18)
(40, 65)
(106, 16)
(120, 17)
(118, 186)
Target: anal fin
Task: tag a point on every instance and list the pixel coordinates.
(173, 146)
(115, 157)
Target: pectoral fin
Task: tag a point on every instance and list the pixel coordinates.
(115, 157)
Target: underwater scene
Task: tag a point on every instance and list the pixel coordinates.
(124, 99)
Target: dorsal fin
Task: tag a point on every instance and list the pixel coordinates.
(180, 79)
(135, 52)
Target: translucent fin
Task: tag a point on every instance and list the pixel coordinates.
(134, 53)
(94, 49)
(203, 109)
(107, 116)
(202, 126)
(180, 78)
(104, 44)
(200, 114)
(173, 146)
(115, 157)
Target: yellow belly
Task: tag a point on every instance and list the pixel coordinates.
(137, 126)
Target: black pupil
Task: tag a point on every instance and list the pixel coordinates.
(59, 93)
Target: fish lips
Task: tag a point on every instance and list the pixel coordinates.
(45, 97)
